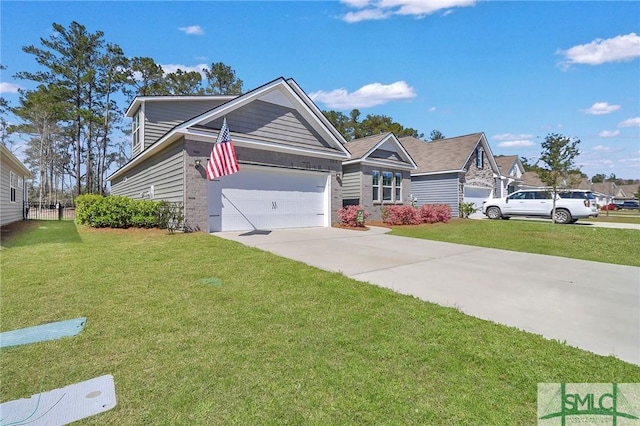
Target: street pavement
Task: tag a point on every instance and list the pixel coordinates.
(591, 305)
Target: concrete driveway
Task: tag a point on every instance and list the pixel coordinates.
(594, 306)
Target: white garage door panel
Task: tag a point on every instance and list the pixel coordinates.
(476, 195)
(263, 198)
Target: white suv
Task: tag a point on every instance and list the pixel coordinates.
(571, 205)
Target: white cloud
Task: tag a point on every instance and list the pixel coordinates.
(432, 109)
(383, 9)
(602, 148)
(600, 108)
(365, 15)
(169, 68)
(367, 96)
(523, 143)
(609, 133)
(9, 88)
(511, 136)
(631, 122)
(192, 30)
(599, 51)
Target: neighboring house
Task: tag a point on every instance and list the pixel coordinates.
(289, 153)
(378, 174)
(511, 171)
(530, 180)
(451, 171)
(13, 200)
(609, 192)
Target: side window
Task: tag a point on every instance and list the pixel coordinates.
(135, 131)
(518, 196)
(387, 186)
(375, 175)
(13, 183)
(398, 187)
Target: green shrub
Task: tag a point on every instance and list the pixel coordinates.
(170, 216)
(467, 209)
(116, 211)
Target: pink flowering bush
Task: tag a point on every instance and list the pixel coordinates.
(401, 215)
(409, 215)
(437, 212)
(349, 216)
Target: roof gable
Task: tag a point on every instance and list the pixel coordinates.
(446, 155)
(383, 149)
(506, 163)
(281, 94)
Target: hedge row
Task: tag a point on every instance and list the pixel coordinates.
(399, 215)
(409, 215)
(116, 211)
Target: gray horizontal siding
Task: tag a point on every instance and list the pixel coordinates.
(164, 171)
(10, 212)
(160, 117)
(270, 121)
(439, 189)
(351, 182)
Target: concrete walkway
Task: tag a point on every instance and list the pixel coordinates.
(590, 305)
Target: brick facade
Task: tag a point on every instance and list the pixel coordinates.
(366, 195)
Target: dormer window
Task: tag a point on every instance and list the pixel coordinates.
(479, 157)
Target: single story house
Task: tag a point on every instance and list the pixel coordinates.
(13, 197)
(451, 171)
(511, 171)
(290, 158)
(377, 175)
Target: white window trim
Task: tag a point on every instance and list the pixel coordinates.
(390, 187)
(135, 131)
(397, 188)
(379, 189)
(375, 188)
(13, 187)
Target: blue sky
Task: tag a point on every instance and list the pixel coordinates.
(514, 70)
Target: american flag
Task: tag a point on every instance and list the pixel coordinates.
(223, 160)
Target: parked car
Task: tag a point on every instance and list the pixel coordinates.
(570, 205)
(629, 204)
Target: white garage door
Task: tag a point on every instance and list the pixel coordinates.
(476, 195)
(262, 198)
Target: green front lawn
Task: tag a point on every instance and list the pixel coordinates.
(199, 330)
(619, 246)
(619, 216)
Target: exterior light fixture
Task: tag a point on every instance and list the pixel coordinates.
(197, 164)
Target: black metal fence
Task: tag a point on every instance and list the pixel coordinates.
(36, 211)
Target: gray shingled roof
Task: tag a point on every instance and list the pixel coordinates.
(532, 179)
(440, 155)
(505, 162)
(359, 147)
(362, 150)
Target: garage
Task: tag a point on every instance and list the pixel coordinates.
(476, 195)
(264, 198)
